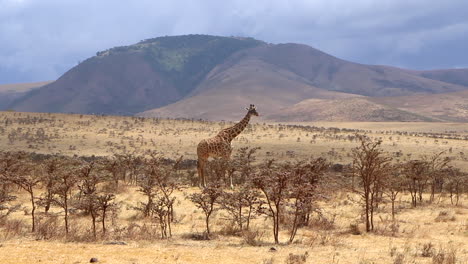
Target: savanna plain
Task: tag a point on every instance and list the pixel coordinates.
(125, 190)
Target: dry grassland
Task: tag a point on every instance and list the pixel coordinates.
(420, 235)
(87, 135)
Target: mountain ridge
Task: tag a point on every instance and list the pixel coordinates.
(212, 77)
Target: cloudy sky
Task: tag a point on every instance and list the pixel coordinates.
(41, 39)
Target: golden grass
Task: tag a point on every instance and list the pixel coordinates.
(92, 135)
(337, 245)
(105, 135)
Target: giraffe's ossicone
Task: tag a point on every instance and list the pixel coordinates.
(220, 145)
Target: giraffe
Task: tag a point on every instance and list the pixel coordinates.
(220, 145)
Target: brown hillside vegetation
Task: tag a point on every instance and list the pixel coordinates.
(455, 76)
(449, 106)
(11, 92)
(101, 83)
(352, 109)
(328, 72)
(304, 193)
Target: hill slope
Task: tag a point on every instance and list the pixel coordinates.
(10, 92)
(201, 76)
(350, 109)
(451, 107)
(248, 81)
(126, 80)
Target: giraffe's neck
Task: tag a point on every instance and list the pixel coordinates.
(231, 132)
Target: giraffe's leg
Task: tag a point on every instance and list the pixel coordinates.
(201, 172)
(227, 159)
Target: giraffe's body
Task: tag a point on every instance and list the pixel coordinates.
(220, 145)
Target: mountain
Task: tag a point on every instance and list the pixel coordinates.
(349, 109)
(455, 76)
(229, 88)
(284, 79)
(451, 107)
(10, 92)
(211, 77)
(131, 79)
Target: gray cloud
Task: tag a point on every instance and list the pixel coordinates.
(41, 39)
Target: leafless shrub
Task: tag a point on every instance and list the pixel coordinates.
(445, 216)
(6, 208)
(89, 178)
(393, 185)
(456, 183)
(18, 170)
(240, 204)
(427, 250)
(370, 167)
(64, 183)
(48, 228)
(206, 201)
(417, 176)
(324, 238)
(323, 222)
(297, 258)
(354, 229)
(13, 228)
(137, 232)
(252, 237)
(273, 183)
(445, 256)
(399, 258)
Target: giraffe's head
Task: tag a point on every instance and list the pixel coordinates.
(252, 110)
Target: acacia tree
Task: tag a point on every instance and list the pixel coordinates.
(65, 181)
(273, 183)
(303, 190)
(240, 204)
(243, 161)
(5, 207)
(456, 182)
(50, 168)
(17, 170)
(89, 178)
(416, 173)
(164, 181)
(369, 166)
(104, 204)
(393, 185)
(115, 167)
(206, 200)
(436, 164)
(147, 186)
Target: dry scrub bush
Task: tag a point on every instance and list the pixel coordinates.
(399, 258)
(240, 204)
(445, 256)
(137, 232)
(289, 188)
(445, 216)
(296, 258)
(48, 228)
(427, 250)
(11, 228)
(370, 166)
(253, 237)
(6, 208)
(206, 200)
